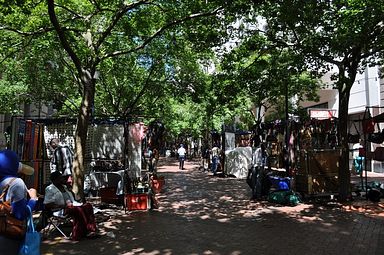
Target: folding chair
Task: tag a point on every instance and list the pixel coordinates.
(55, 222)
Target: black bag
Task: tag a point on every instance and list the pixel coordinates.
(354, 138)
(376, 137)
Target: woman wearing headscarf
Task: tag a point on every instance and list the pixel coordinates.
(18, 194)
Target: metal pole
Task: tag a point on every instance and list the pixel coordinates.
(286, 130)
(365, 157)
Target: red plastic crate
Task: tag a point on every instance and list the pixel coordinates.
(137, 202)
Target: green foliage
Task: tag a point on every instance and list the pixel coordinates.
(265, 74)
(11, 96)
(167, 66)
(328, 33)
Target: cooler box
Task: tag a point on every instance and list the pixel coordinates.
(137, 201)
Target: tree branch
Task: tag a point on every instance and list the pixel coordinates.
(25, 33)
(70, 11)
(110, 96)
(371, 53)
(159, 32)
(327, 59)
(143, 89)
(63, 39)
(115, 20)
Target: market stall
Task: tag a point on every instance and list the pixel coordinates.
(318, 156)
(373, 148)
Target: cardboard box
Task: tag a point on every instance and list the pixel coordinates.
(316, 184)
(137, 201)
(319, 162)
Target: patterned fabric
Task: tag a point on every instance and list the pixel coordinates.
(62, 160)
(83, 220)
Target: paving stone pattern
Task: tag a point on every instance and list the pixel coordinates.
(203, 214)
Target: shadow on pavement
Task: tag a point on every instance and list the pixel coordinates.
(202, 214)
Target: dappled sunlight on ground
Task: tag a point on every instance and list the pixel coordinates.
(203, 214)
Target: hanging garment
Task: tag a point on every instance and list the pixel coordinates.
(83, 220)
(368, 126)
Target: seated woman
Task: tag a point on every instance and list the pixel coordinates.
(61, 202)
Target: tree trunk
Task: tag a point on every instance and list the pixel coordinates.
(344, 172)
(81, 133)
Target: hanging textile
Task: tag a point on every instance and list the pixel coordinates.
(368, 126)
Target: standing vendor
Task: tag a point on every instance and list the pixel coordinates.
(62, 160)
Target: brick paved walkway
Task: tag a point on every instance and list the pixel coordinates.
(202, 214)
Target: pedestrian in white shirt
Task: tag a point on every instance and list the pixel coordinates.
(181, 152)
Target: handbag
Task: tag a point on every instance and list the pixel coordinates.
(10, 226)
(376, 137)
(32, 240)
(354, 138)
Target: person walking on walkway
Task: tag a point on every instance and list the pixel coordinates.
(156, 156)
(215, 158)
(181, 152)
